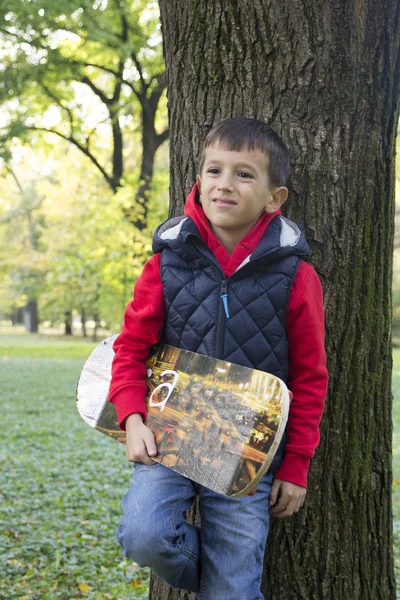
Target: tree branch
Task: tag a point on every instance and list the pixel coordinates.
(83, 149)
(81, 63)
(116, 74)
(159, 77)
(92, 131)
(156, 94)
(125, 28)
(14, 176)
(58, 102)
(118, 84)
(139, 70)
(10, 33)
(161, 137)
(107, 101)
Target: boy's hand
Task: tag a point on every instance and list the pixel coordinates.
(140, 444)
(286, 498)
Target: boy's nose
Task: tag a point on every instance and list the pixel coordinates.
(225, 182)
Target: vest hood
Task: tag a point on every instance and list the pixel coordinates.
(282, 238)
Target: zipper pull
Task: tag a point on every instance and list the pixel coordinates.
(224, 296)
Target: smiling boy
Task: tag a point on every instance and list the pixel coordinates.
(235, 191)
(231, 240)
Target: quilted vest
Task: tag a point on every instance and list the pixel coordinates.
(240, 318)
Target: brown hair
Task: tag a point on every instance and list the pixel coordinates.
(240, 133)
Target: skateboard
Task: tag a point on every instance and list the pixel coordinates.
(215, 422)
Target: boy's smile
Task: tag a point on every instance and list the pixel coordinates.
(235, 191)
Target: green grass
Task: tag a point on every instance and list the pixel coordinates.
(396, 465)
(44, 346)
(61, 483)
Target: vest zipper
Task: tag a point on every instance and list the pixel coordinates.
(223, 315)
(223, 310)
(224, 296)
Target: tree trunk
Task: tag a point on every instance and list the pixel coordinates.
(68, 322)
(83, 322)
(118, 152)
(149, 147)
(31, 316)
(97, 325)
(326, 76)
(17, 316)
(151, 141)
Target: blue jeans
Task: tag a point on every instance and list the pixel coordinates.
(222, 560)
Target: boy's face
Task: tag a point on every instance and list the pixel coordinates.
(235, 191)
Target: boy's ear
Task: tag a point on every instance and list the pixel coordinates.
(198, 181)
(277, 198)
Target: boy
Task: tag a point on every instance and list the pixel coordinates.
(231, 240)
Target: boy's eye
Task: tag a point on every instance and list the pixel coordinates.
(213, 171)
(244, 175)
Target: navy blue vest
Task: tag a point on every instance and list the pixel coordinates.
(240, 318)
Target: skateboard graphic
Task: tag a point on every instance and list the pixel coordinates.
(215, 422)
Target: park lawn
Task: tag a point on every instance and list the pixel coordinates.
(61, 483)
(44, 346)
(396, 464)
(61, 488)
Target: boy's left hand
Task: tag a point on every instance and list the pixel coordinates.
(286, 498)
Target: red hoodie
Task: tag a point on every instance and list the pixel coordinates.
(143, 323)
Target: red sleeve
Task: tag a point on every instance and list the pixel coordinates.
(308, 377)
(141, 329)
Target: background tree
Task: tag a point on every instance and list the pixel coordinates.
(327, 78)
(92, 258)
(82, 92)
(22, 259)
(64, 241)
(78, 67)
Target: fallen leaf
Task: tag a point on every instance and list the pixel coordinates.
(84, 588)
(13, 534)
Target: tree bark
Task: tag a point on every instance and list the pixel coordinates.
(149, 148)
(97, 325)
(326, 77)
(31, 316)
(83, 322)
(151, 141)
(68, 322)
(118, 152)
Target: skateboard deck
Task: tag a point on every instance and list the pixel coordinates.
(214, 422)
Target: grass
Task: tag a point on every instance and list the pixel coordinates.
(61, 483)
(396, 465)
(44, 346)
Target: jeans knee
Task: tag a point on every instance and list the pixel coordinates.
(138, 542)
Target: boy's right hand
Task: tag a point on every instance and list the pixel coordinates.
(140, 444)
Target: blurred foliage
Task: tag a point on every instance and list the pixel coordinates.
(76, 82)
(396, 466)
(88, 72)
(64, 239)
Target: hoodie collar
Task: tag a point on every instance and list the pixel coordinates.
(229, 263)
